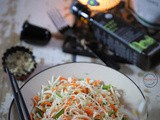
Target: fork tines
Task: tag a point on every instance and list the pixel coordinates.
(57, 19)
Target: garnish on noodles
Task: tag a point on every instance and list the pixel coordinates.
(77, 99)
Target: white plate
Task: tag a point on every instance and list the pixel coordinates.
(133, 94)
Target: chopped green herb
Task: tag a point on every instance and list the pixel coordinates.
(58, 95)
(91, 3)
(105, 103)
(81, 79)
(59, 114)
(107, 87)
(40, 114)
(111, 113)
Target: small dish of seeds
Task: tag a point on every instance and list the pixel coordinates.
(20, 62)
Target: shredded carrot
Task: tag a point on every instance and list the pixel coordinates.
(76, 92)
(62, 78)
(31, 116)
(70, 84)
(85, 90)
(64, 89)
(88, 80)
(57, 109)
(47, 95)
(100, 101)
(46, 103)
(74, 84)
(96, 82)
(73, 97)
(66, 117)
(73, 80)
(66, 84)
(103, 95)
(98, 117)
(91, 104)
(96, 107)
(79, 106)
(113, 107)
(36, 98)
(89, 111)
(68, 102)
(35, 101)
(85, 118)
(54, 89)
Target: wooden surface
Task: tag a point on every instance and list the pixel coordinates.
(13, 13)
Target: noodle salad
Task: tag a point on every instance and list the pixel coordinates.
(77, 99)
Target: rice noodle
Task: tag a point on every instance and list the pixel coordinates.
(77, 99)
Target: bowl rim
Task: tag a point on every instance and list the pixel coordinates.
(9, 113)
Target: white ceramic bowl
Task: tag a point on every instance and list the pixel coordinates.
(133, 94)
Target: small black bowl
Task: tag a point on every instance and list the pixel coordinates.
(20, 62)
